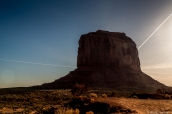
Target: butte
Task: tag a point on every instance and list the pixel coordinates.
(107, 60)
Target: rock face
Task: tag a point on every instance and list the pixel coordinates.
(107, 60)
(107, 49)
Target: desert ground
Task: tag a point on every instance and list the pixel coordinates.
(60, 101)
(141, 106)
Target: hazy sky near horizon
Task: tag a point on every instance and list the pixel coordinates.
(47, 31)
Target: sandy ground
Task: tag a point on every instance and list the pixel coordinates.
(11, 111)
(142, 106)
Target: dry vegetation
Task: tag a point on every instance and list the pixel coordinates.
(28, 101)
(79, 100)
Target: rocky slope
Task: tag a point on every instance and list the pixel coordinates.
(107, 60)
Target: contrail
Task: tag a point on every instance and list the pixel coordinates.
(155, 31)
(36, 63)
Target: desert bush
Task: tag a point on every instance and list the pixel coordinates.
(50, 110)
(93, 95)
(166, 96)
(91, 100)
(79, 101)
(38, 107)
(111, 94)
(89, 112)
(75, 102)
(135, 97)
(76, 111)
(104, 95)
(71, 111)
(82, 97)
(78, 89)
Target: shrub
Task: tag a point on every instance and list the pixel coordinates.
(50, 110)
(91, 100)
(112, 94)
(78, 89)
(71, 111)
(93, 95)
(76, 111)
(104, 95)
(75, 102)
(90, 112)
(166, 96)
(135, 97)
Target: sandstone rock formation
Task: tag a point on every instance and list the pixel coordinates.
(107, 60)
(107, 49)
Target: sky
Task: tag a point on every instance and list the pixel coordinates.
(47, 32)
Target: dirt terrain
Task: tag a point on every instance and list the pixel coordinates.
(141, 106)
(34, 102)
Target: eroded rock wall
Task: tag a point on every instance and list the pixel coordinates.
(107, 49)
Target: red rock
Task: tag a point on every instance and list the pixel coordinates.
(107, 49)
(107, 60)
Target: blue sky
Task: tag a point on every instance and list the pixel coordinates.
(47, 31)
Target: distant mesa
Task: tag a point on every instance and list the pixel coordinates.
(107, 60)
